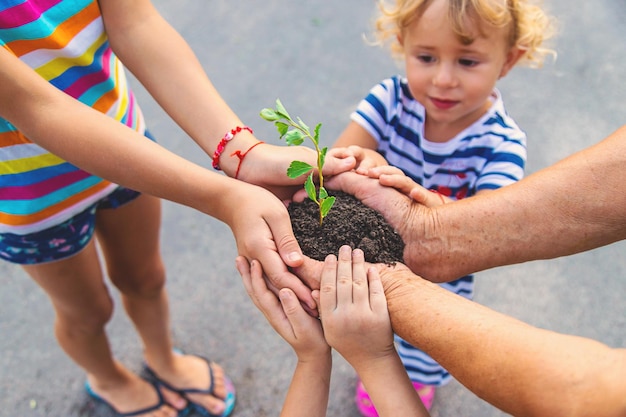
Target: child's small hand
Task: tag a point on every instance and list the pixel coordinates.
(365, 158)
(353, 308)
(394, 177)
(266, 166)
(285, 313)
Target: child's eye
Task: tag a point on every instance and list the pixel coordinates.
(468, 62)
(426, 59)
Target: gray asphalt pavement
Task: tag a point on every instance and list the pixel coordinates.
(312, 55)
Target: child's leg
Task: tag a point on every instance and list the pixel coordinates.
(83, 307)
(129, 239)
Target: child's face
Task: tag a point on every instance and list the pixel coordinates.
(452, 80)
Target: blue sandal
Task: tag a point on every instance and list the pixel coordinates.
(146, 410)
(230, 391)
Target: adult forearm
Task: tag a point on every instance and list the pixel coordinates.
(520, 369)
(572, 206)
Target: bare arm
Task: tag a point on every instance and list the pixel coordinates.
(308, 392)
(570, 207)
(105, 147)
(520, 369)
(99, 144)
(354, 134)
(353, 311)
(167, 67)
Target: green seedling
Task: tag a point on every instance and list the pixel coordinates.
(295, 133)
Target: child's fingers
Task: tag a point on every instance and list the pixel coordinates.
(336, 164)
(266, 300)
(365, 166)
(300, 320)
(421, 195)
(429, 198)
(299, 196)
(356, 151)
(261, 296)
(343, 152)
(328, 286)
(377, 172)
(360, 293)
(399, 181)
(291, 306)
(344, 276)
(377, 299)
(244, 270)
(316, 296)
(364, 163)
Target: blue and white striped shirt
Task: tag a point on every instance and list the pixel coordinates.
(489, 154)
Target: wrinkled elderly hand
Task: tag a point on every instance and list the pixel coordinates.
(409, 218)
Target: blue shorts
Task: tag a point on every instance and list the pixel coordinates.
(61, 241)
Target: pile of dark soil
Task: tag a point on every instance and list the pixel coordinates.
(349, 222)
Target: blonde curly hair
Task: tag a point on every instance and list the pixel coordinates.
(529, 25)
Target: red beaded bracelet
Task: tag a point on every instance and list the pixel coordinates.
(222, 145)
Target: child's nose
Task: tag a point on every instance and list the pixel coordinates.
(444, 76)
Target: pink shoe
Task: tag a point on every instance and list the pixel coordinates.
(426, 393)
(366, 407)
(363, 401)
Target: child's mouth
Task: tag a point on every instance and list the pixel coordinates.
(443, 104)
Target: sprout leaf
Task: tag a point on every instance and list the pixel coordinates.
(298, 168)
(327, 204)
(309, 186)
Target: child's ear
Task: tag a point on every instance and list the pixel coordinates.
(512, 57)
(400, 39)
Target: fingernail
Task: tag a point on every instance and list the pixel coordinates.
(294, 256)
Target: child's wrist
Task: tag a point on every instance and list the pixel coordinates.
(221, 145)
(232, 146)
(317, 357)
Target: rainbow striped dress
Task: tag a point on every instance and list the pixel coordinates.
(64, 41)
